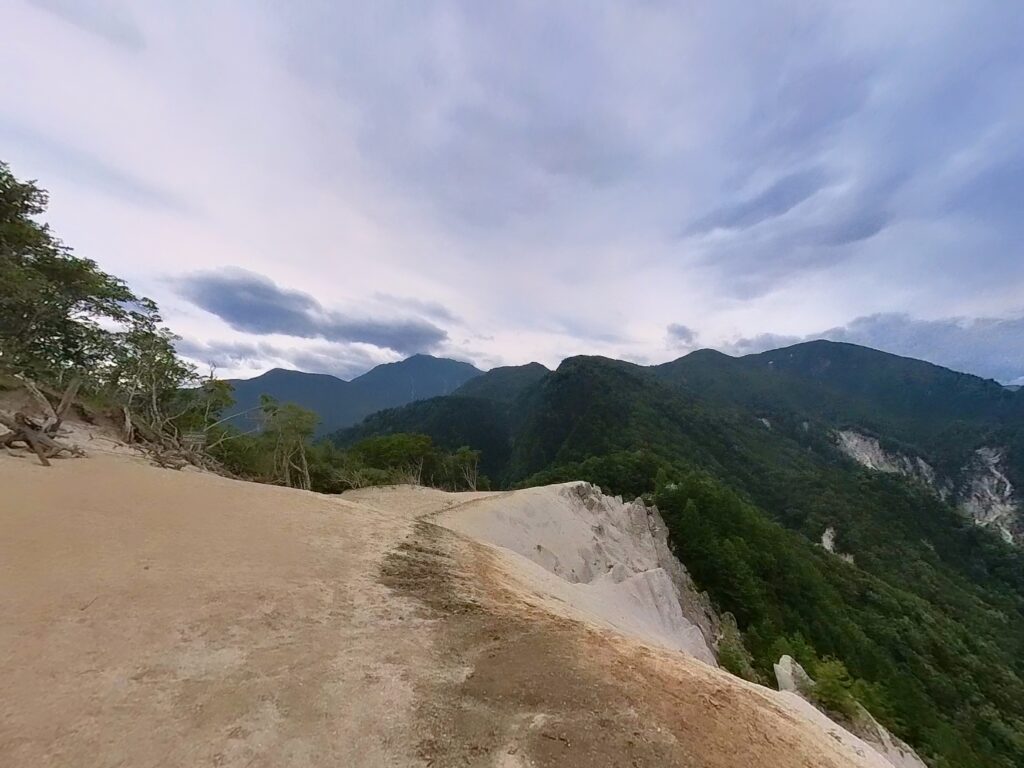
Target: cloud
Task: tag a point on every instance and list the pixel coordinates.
(252, 303)
(226, 354)
(988, 347)
(858, 225)
(346, 361)
(762, 342)
(425, 307)
(992, 192)
(779, 198)
(92, 171)
(556, 180)
(681, 335)
(109, 20)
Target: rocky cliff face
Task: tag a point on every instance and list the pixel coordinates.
(828, 542)
(610, 560)
(982, 492)
(988, 496)
(869, 452)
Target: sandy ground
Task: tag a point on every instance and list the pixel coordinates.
(161, 618)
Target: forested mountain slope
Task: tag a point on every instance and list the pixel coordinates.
(960, 435)
(940, 412)
(479, 414)
(924, 608)
(505, 383)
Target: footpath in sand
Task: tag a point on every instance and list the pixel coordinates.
(158, 618)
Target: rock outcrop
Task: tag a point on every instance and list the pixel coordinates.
(828, 542)
(863, 732)
(868, 452)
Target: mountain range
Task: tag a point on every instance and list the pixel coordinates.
(959, 434)
(339, 403)
(902, 411)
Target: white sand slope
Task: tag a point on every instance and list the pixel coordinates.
(601, 559)
(161, 618)
(607, 563)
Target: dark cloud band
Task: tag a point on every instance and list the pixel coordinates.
(252, 303)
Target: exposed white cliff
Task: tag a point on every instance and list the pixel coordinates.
(828, 541)
(988, 495)
(983, 492)
(608, 562)
(863, 735)
(869, 452)
(611, 559)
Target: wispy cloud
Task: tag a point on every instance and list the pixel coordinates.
(91, 171)
(346, 361)
(779, 198)
(108, 19)
(681, 336)
(530, 181)
(425, 307)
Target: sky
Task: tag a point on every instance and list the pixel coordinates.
(332, 185)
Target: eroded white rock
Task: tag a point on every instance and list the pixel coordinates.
(828, 542)
(611, 559)
(983, 492)
(988, 495)
(868, 452)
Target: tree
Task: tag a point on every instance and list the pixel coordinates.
(407, 457)
(466, 463)
(144, 373)
(63, 320)
(287, 429)
(832, 688)
(52, 303)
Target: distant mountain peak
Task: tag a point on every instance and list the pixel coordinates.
(339, 403)
(290, 372)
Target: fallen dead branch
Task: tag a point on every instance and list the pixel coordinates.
(168, 459)
(37, 433)
(23, 430)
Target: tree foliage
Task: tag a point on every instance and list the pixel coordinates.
(55, 307)
(62, 317)
(944, 676)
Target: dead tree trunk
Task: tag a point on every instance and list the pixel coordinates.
(49, 415)
(66, 401)
(23, 430)
(129, 430)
